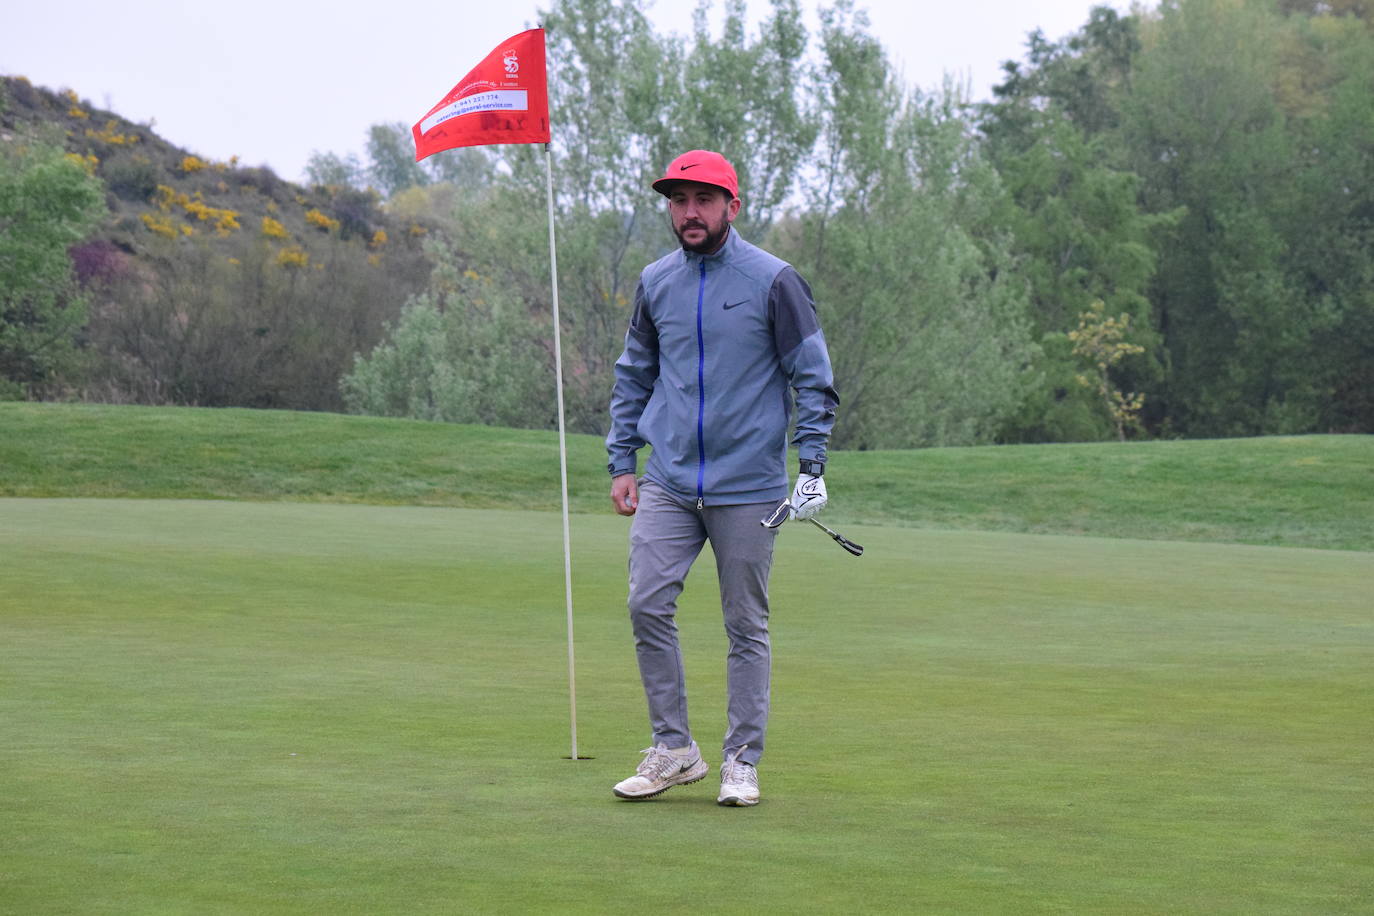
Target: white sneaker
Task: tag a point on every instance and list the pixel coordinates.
(660, 770)
(739, 782)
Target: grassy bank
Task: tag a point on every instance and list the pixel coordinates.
(1309, 491)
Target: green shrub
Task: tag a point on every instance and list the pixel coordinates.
(132, 179)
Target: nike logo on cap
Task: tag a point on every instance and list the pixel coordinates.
(683, 168)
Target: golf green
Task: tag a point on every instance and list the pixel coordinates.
(221, 707)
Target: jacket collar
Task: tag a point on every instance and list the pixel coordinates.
(732, 242)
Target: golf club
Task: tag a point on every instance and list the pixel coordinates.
(846, 543)
(783, 512)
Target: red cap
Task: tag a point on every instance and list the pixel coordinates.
(702, 166)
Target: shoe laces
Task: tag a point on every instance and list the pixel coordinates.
(736, 772)
(658, 762)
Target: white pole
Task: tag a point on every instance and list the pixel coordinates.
(562, 452)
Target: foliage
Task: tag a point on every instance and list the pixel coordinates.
(332, 170)
(621, 97)
(189, 308)
(48, 203)
(1079, 229)
(1249, 321)
(465, 351)
(924, 315)
(1237, 134)
(392, 153)
(273, 229)
(1205, 167)
(928, 348)
(1100, 342)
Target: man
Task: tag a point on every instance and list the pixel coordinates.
(720, 331)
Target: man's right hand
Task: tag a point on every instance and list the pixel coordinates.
(624, 494)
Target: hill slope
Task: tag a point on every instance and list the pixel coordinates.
(216, 284)
(1309, 491)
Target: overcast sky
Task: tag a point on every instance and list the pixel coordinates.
(271, 82)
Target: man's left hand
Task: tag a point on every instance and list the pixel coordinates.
(808, 496)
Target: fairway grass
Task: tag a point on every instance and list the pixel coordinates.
(224, 707)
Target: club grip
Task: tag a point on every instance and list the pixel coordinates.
(846, 543)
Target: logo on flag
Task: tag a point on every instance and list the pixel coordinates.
(505, 99)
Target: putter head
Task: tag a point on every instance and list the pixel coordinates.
(779, 515)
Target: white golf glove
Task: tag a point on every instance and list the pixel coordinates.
(808, 496)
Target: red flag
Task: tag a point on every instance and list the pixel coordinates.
(505, 99)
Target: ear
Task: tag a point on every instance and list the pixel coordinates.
(732, 209)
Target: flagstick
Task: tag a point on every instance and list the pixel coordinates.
(562, 452)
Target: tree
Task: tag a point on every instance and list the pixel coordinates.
(467, 350)
(1081, 234)
(1330, 225)
(333, 170)
(1207, 132)
(745, 96)
(392, 153)
(914, 279)
(49, 201)
(626, 101)
(1100, 343)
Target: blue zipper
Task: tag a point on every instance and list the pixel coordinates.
(701, 392)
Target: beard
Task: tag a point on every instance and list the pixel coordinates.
(714, 236)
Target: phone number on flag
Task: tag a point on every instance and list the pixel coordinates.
(495, 100)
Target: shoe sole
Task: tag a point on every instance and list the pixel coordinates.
(690, 778)
(737, 801)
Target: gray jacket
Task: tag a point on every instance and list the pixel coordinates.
(714, 343)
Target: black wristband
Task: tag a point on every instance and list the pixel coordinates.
(814, 468)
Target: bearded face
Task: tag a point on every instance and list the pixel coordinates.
(701, 215)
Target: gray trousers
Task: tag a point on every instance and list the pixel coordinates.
(665, 538)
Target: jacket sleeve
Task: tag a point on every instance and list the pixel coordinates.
(806, 362)
(636, 371)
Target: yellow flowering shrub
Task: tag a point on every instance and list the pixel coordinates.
(165, 197)
(321, 221)
(378, 238)
(224, 221)
(273, 229)
(294, 256)
(164, 226)
(87, 162)
(192, 164)
(74, 105)
(110, 134)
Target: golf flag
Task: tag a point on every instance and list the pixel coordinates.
(505, 99)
